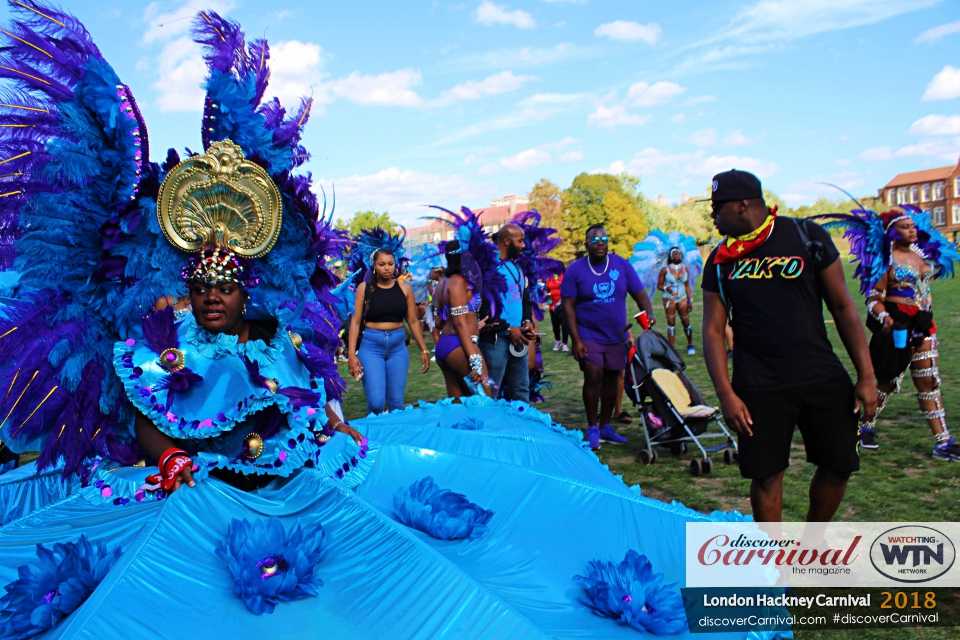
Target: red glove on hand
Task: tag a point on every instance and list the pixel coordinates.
(171, 463)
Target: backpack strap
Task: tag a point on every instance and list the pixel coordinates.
(723, 297)
(814, 248)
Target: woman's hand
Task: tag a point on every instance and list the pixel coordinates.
(185, 477)
(425, 361)
(482, 323)
(343, 427)
(887, 324)
(354, 366)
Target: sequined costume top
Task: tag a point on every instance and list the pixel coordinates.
(909, 282)
(675, 286)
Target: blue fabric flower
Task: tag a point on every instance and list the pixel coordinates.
(270, 565)
(53, 588)
(440, 513)
(632, 594)
(468, 424)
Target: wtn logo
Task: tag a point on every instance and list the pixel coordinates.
(912, 553)
(899, 554)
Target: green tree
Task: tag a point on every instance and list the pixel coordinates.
(613, 201)
(367, 220)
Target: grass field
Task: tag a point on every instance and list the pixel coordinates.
(899, 482)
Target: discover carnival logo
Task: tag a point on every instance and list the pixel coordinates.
(912, 553)
(746, 550)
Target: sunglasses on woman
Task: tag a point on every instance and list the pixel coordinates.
(599, 239)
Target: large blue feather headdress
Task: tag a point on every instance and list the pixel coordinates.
(533, 262)
(871, 241)
(478, 256)
(78, 201)
(650, 256)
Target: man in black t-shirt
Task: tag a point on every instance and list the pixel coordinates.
(771, 276)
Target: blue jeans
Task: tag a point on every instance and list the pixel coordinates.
(509, 372)
(385, 361)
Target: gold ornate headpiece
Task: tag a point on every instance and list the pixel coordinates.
(220, 200)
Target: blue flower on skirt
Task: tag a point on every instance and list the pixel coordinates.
(53, 588)
(270, 565)
(440, 513)
(632, 594)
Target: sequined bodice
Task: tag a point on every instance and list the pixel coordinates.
(910, 282)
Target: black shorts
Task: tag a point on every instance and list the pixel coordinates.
(824, 413)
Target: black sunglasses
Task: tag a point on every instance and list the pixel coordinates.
(599, 239)
(718, 204)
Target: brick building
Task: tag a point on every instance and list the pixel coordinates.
(493, 217)
(936, 191)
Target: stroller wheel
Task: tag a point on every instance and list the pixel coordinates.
(730, 456)
(695, 467)
(707, 465)
(646, 456)
(679, 449)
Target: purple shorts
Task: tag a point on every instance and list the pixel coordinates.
(606, 356)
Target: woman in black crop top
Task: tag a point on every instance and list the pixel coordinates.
(383, 303)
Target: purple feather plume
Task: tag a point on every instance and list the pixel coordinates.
(160, 330)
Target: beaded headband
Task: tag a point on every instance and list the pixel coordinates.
(218, 265)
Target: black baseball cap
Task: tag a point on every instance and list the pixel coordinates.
(735, 185)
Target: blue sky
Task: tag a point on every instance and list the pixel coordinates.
(456, 103)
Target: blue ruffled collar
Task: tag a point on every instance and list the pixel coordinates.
(220, 345)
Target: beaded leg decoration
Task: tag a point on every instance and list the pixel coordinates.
(935, 415)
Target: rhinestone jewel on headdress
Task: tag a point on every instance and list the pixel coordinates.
(220, 199)
(214, 266)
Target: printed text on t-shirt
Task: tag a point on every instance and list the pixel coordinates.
(788, 267)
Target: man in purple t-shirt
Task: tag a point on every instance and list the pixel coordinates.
(594, 296)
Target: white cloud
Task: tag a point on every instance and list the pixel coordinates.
(489, 13)
(646, 162)
(936, 126)
(519, 162)
(553, 99)
(643, 95)
(945, 149)
(712, 165)
(934, 34)
(736, 139)
(522, 57)
(842, 162)
(705, 138)
(387, 89)
(405, 192)
(571, 156)
(610, 117)
(629, 31)
(502, 82)
(678, 118)
(559, 144)
(294, 70)
(700, 99)
(479, 155)
(769, 25)
(280, 16)
(180, 71)
(945, 85)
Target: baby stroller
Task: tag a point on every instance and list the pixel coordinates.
(672, 409)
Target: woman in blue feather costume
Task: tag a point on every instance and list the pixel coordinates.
(152, 326)
(899, 253)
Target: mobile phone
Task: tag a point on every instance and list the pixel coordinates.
(359, 375)
(539, 333)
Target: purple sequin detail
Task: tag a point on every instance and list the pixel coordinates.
(292, 443)
(627, 599)
(130, 342)
(50, 595)
(99, 484)
(339, 473)
(140, 495)
(269, 562)
(282, 456)
(221, 417)
(106, 491)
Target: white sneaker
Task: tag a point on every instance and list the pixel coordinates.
(433, 359)
(564, 347)
(556, 346)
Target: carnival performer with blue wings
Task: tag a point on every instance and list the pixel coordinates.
(181, 315)
(670, 263)
(899, 254)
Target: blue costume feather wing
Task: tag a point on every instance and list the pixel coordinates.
(73, 162)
